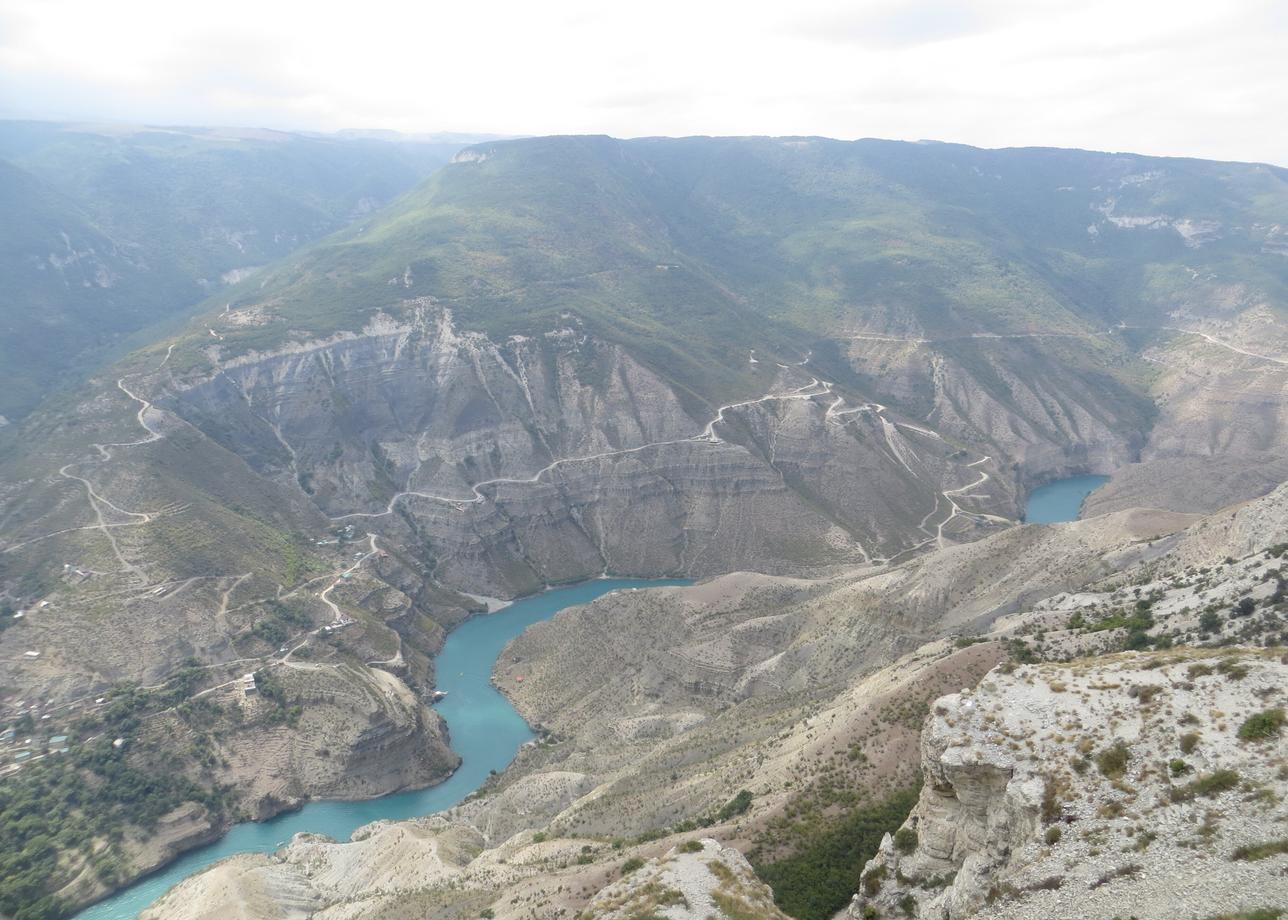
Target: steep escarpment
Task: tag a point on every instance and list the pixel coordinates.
(507, 465)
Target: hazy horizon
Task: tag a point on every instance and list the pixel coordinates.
(1143, 77)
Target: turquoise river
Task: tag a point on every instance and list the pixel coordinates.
(1060, 500)
(485, 731)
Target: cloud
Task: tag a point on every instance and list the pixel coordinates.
(893, 25)
(1152, 76)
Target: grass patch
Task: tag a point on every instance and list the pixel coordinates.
(1256, 851)
(1206, 786)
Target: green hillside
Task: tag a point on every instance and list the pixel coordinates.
(695, 250)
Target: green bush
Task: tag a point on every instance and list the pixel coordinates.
(905, 839)
(735, 806)
(822, 873)
(57, 806)
(1263, 725)
(632, 865)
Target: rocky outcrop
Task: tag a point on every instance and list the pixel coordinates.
(1067, 791)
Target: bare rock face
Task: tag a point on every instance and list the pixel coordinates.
(693, 881)
(508, 465)
(1069, 791)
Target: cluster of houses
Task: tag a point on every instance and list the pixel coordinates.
(17, 750)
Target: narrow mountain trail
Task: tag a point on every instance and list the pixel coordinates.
(916, 340)
(281, 657)
(707, 435)
(959, 511)
(97, 501)
(1213, 340)
(1210, 339)
(335, 583)
(902, 452)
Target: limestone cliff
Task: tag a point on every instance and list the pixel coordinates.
(1076, 790)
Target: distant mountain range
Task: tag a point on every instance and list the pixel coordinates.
(110, 228)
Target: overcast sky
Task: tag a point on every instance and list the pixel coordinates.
(1179, 77)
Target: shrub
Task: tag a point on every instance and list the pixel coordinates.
(631, 865)
(1113, 760)
(1051, 808)
(1144, 693)
(691, 846)
(1053, 836)
(735, 806)
(1189, 741)
(1232, 669)
(1178, 767)
(1262, 725)
(905, 839)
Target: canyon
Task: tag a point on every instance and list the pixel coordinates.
(240, 549)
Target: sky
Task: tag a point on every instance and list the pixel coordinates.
(1176, 77)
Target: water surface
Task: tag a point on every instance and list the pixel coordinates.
(485, 731)
(1060, 500)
